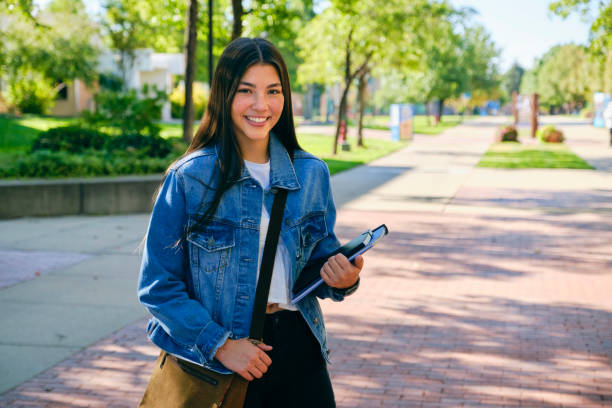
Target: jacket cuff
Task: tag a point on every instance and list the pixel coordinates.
(210, 339)
(340, 294)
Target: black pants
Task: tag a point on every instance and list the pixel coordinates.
(297, 377)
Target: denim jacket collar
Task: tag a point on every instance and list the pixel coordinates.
(282, 173)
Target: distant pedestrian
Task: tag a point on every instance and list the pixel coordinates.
(608, 119)
(207, 231)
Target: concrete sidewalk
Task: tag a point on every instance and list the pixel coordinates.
(492, 289)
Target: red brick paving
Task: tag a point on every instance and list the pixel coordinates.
(454, 310)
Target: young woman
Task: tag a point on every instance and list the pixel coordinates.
(207, 231)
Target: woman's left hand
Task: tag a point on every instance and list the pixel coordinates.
(338, 272)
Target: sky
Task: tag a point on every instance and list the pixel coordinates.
(524, 29)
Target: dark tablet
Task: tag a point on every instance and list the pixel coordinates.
(310, 277)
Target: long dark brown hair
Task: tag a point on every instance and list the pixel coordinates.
(216, 127)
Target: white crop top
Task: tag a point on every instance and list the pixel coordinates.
(279, 287)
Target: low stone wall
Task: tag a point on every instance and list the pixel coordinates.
(104, 195)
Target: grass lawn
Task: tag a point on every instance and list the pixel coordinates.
(18, 134)
(421, 124)
(509, 155)
(321, 147)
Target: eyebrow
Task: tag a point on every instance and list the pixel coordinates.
(253, 85)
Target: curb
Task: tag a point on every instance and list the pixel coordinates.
(90, 196)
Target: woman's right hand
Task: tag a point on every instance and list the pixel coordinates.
(245, 356)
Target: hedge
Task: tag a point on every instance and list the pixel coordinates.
(48, 164)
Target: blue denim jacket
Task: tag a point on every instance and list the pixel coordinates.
(201, 291)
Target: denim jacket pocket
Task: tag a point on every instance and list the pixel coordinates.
(312, 230)
(214, 243)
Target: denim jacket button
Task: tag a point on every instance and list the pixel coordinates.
(316, 320)
(211, 241)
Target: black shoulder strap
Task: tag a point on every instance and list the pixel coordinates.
(267, 265)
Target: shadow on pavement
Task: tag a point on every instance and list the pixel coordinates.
(535, 198)
(358, 181)
(111, 373)
(481, 351)
(456, 246)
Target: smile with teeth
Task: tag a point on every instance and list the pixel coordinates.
(257, 119)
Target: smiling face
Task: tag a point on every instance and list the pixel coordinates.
(256, 108)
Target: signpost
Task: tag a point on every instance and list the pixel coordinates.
(600, 101)
(525, 109)
(401, 122)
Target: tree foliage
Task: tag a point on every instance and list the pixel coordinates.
(351, 37)
(280, 22)
(456, 58)
(161, 26)
(511, 81)
(38, 60)
(601, 26)
(565, 75)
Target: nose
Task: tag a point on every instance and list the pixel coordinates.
(259, 102)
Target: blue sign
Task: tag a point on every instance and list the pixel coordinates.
(600, 102)
(401, 121)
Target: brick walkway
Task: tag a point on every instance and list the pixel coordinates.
(454, 310)
(494, 295)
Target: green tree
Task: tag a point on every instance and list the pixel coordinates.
(161, 26)
(38, 61)
(599, 13)
(511, 81)
(280, 22)
(565, 77)
(601, 26)
(127, 29)
(460, 63)
(349, 38)
(456, 58)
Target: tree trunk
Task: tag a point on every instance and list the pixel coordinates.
(440, 109)
(347, 85)
(349, 77)
(190, 54)
(341, 115)
(362, 89)
(211, 62)
(237, 25)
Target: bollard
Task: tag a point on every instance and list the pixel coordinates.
(342, 137)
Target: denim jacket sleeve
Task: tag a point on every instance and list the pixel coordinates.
(329, 244)
(164, 275)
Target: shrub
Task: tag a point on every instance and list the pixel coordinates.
(110, 82)
(177, 100)
(549, 134)
(507, 133)
(127, 112)
(152, 146)
(47, 164)
(73, 139)
(586, 113)
(31, 93)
